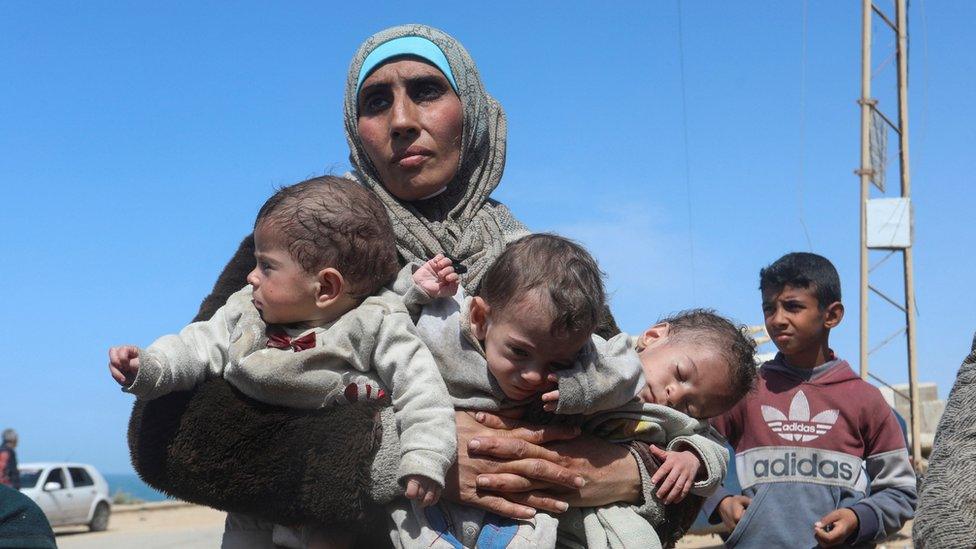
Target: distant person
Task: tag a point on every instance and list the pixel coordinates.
(802, 438)
(314, 328)
(22, 523)
(9, 474)
(947, 503)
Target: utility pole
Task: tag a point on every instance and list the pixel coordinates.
(865, 172)
(886, 223)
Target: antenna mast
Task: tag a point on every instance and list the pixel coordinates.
(886, 223)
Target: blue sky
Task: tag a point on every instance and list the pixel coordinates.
(139, 139)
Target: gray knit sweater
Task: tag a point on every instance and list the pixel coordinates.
(946, 514)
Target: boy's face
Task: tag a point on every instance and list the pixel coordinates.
(682, 374)
(520, 350)
(795, 322)
(284, 293)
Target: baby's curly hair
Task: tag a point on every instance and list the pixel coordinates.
(335, 222)
(706, 327)
(560, 269)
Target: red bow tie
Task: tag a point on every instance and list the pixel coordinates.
(280, 340)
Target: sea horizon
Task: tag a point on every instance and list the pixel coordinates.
(133, 486)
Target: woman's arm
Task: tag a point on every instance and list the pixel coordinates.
(503, 467)
(505, 452)
(523, 474)
(217, 447)
(466, 481)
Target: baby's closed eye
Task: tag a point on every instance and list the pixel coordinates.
(518, 351)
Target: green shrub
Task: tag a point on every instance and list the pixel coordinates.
(125, 498)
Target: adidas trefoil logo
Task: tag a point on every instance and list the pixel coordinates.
(799, 426)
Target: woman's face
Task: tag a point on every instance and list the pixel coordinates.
(410, 126)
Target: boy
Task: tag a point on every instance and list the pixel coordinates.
(801, 439)
(315, 328)
(527, 335)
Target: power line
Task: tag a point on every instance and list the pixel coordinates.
(803, 126)
(684, 120)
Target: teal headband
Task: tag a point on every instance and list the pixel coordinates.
(406, 45)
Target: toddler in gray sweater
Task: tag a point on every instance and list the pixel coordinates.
(316, 327)
(526, 336)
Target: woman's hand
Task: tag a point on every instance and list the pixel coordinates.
(609, 470)
(503, 467)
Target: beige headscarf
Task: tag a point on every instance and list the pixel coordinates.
(462, 221)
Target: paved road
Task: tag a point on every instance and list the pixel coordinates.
(186, 527)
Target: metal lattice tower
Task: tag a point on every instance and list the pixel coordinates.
(886, 222)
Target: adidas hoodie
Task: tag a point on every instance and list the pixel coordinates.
(808, 442)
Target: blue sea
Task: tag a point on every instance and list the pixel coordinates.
(134, 486)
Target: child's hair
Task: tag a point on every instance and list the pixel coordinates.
(559, 269)
(335, 222)
(803, 270)
(705, 327)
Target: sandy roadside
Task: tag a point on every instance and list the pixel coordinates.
(184, 526)
(193, 526)
(901, 540)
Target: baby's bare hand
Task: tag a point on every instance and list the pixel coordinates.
(550, 400)
(678, 470)
(423, 490)
(437, 277)
(123, 364)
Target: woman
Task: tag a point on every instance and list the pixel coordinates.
(431, 153)
(428, 140)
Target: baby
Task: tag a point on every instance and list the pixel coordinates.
(315, 328)
(526, 336)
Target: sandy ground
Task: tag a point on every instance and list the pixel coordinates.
(900, 540)
(190, 527)
(195, 527)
